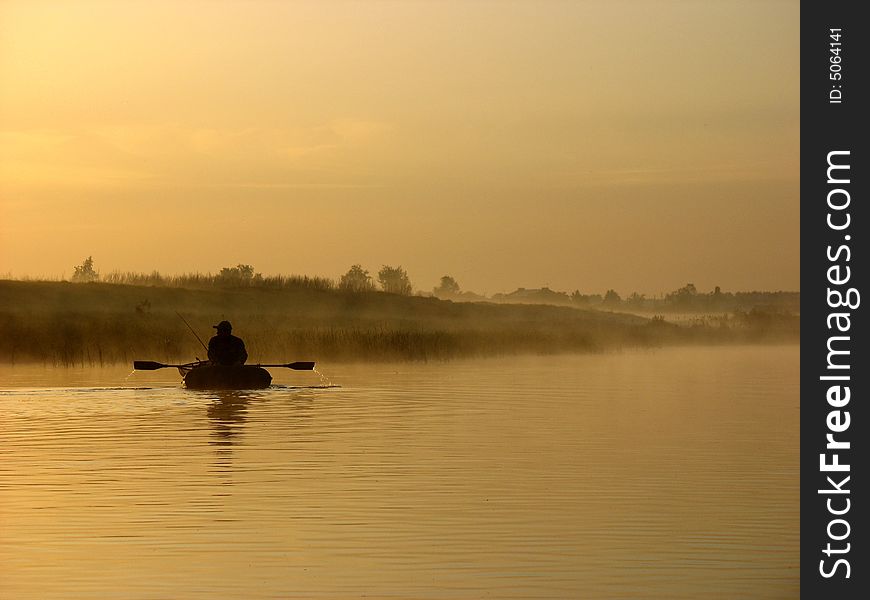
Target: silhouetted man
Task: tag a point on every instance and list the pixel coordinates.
(225, 348)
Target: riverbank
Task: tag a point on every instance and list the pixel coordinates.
(63, 323)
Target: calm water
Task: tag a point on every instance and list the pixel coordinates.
(662, 474)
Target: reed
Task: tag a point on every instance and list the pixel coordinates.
(212, 281)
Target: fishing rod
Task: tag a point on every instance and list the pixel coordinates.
(192, 331)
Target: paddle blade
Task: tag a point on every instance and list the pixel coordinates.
(301, 366)
(147, 365)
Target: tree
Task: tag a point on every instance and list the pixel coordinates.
(611, 297)
(636, 300)
(585, 299)
(85, 272)
(682, 297)
(356, 279)
(448, 287)
(239, 275)
(394, 280)
(240, 271)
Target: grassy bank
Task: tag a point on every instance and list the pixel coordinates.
(101, 323)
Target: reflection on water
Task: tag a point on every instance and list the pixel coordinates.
(227, 413)
(668, 474)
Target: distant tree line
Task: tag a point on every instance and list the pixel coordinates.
(395, 280)
(241, 275)
(686, 299)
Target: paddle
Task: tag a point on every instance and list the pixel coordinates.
(296, 366)
(150, 365)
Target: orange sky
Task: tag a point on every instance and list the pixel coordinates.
(620, 144)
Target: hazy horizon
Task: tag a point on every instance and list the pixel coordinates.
(572, 145)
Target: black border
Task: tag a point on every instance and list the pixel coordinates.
(827, 127)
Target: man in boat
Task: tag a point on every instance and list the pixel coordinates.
(225, 348)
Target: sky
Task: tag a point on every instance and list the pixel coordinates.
(632, 145)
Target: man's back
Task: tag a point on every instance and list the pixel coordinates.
(227, 349)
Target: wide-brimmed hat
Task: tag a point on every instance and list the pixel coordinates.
(223, 325)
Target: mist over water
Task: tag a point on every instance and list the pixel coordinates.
(649, 474)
